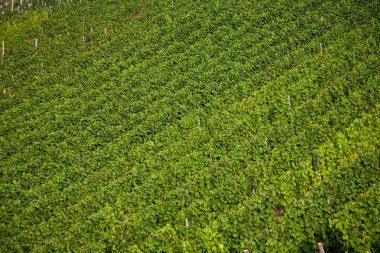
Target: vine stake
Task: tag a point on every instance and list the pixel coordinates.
(3, 52)
(321, 47)
(320, 247)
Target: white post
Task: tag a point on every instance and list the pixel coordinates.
(105, 30)
(321, 47)
(3, 52)
(199, 121)
(13, 1)
(290, 105)
(35, 42)
(187, 222)
(320, 248)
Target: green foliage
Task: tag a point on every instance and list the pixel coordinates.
(22, 29)
(142, 127)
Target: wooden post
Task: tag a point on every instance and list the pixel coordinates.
(320, 248)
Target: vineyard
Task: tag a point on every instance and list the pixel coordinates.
(189, 126)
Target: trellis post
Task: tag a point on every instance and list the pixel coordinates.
(3, 51)
(320, 247)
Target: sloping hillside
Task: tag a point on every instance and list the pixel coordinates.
(190, 126)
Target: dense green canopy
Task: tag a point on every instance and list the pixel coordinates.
(190, 126)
